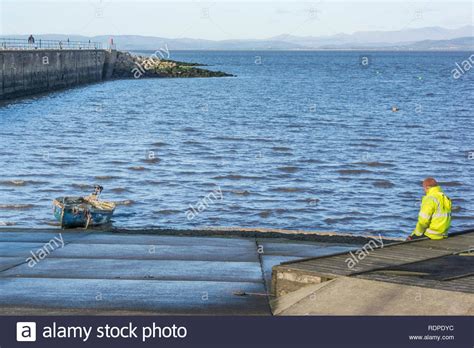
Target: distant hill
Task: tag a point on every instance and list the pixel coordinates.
(430, 38)
(380, 38)
(461, 43)
(457, 44)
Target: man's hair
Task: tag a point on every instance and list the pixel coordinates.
(430, 182)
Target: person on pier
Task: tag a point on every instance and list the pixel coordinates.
(434, 218)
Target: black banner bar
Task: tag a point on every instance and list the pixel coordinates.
(178, 331)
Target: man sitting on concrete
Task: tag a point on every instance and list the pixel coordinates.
(434, 218)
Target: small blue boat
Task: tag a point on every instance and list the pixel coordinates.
(83, 211)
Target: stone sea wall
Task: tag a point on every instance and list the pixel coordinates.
(28, 72)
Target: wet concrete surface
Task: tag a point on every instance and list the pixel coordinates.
(194, 251)
(9, 262)
(141, 296)
(41, 237)
(98, 238)
(13, 249)
(141, 269)
(301, 249)
(101, 273)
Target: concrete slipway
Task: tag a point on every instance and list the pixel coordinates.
(98, 272)
(420, 277)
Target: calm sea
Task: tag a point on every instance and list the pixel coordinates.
(298, 140)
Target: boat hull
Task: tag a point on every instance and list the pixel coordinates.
(76, 212)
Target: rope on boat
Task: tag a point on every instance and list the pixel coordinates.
(62, 218)
(89, 217)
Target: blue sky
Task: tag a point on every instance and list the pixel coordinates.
(220, 20)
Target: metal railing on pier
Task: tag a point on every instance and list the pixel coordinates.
(28, 44)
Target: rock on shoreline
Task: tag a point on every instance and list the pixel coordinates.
(133, 66)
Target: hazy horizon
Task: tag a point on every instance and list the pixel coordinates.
(225, 20)
(198, 38)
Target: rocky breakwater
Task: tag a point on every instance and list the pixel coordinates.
(128, 65)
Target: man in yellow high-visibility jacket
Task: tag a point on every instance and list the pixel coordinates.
(434, 218)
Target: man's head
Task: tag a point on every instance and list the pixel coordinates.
(429, 183)
(97, 189)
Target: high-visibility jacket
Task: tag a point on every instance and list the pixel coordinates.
(434, 218)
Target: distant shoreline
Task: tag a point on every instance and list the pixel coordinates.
(308, 50)
(422, 39)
